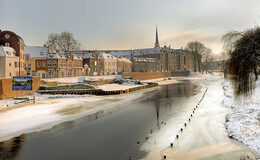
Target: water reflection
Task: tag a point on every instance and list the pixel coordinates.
(9, 149)
(166, 96)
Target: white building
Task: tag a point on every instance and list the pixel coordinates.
(109, 63)
(9, 62)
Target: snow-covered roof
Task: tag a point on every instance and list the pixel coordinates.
(56, 55)
(84, 53)
(75, 56)
(107, 56)
(124, 59)
(36, 51)
(7, 52)
(121, 53)
(137, 59)
(138, 52)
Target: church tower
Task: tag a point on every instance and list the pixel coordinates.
(156, 40)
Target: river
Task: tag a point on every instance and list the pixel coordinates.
(128, 133)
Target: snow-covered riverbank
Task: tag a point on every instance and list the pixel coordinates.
(45, 114)
(205, 137)
(244, 124)
(51, 110)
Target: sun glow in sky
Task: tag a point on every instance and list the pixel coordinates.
(129, 24)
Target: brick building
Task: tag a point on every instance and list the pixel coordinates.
(124, 65)
(10, 39)
(93, 61)
(60, 65)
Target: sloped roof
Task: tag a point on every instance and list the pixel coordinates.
(107, 56)
(7, 52)
(36, 51)
(124, 59)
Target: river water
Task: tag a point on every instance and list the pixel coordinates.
(128, 132)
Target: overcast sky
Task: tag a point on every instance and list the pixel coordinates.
(129, 24)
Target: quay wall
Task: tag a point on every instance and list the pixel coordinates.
(7, 92)
(154, 75)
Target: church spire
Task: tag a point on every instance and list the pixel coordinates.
(156, 39)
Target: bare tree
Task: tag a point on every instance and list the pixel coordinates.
(63, 42)
(197, 49)
(207, 58)
(244, 57)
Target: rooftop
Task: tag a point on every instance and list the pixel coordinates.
(36, 51)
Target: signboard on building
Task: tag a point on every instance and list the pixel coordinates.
(22, 83)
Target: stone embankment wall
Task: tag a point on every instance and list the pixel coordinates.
(7, 92)
(154, 75)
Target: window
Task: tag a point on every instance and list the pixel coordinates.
(33, 73)
(29, 66)
(43, 64)
(38, 64)
(15, 64)
(10, 64)
(10, 74)
(7, 36)
(50, 73)
(49, 63)
(7, 44)
(26, 57)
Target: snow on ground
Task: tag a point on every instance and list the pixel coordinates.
(244, 124)
(80, 79)
(47, 112)
(12, 101)
(114, 86)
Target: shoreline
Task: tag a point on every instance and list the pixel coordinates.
(194, 144)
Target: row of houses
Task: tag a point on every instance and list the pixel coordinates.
(16, 59)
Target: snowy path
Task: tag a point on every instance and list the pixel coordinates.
(206, 136)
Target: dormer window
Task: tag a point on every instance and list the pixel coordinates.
(41, 53)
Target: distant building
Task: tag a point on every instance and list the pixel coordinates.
(140, 64)
(60, 65)
(36, 62)
(109, 63)
(124, 65)
(10, 39)
(9, 62)
(159, 59)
